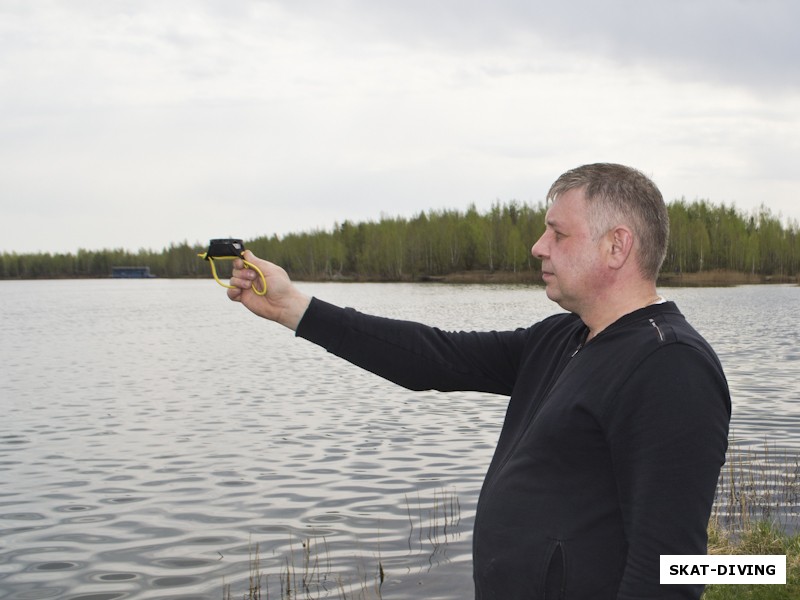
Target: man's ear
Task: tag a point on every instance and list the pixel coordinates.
(620, 241)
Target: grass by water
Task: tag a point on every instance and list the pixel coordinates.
(756, 511)
(759, 538)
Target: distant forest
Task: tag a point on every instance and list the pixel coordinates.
(704, 237)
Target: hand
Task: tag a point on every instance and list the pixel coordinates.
(283, 302)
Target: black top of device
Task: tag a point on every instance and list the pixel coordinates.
(225, 247)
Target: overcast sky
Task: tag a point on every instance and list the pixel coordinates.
(136, 123)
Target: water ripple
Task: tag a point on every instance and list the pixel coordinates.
(150, 473)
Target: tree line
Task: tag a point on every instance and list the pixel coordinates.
(436, 243)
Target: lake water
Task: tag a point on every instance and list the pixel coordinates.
(153, 434)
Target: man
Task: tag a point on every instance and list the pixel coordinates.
(617, 423)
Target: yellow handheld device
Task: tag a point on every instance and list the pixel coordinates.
(230, 249)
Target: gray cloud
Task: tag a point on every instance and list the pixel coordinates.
(751, 43)
(183, 116)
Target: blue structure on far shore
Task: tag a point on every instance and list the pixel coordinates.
(131, 273)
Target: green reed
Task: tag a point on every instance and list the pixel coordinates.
(307, 573)
(756, 512)
(758, 485)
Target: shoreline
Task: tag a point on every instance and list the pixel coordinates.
(715, 278)
(721, 278)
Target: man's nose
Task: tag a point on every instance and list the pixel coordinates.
(537, 250)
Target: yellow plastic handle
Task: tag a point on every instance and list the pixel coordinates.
(247, 264)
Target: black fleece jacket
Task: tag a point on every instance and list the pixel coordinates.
(609, 454)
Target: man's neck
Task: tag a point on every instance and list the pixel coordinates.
(608, 310)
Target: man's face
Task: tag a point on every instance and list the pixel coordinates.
(572, 261)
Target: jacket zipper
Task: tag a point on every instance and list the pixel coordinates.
(660, 335)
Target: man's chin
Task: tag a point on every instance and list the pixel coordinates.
(556, 296)
(551, 293)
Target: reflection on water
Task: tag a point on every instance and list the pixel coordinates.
(154, 433)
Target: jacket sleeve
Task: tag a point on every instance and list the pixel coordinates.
(414, 355)
(668, 438)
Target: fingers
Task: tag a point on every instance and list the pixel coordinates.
(249, 287)
(242, 278)
(239, 265)
(240, 271)
(262, 264)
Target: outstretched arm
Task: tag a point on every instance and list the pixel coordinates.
(283, 302)
(410, 354)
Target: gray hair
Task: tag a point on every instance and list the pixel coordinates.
(617, 195)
